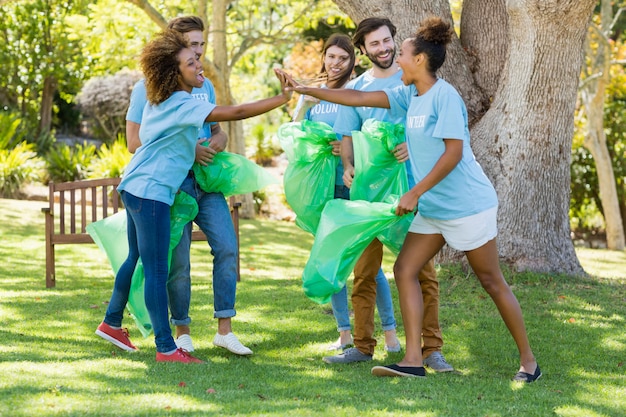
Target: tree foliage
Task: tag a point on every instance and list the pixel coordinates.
(39, 53)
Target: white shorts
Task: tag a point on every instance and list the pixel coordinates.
(464, 234)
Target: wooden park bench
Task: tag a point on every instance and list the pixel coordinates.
(73, 205)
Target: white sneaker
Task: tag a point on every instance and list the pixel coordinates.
(184, 342)
(231, 343)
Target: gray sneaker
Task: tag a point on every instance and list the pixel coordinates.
(437, 362)
(348, 356)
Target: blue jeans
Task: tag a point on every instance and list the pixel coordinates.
(384, 303)
(214, 220)
(148, 233)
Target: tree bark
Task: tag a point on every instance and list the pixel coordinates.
(47, 101)
(219, 74)
(486, 49)
(524, 139)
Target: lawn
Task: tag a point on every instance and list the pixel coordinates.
(52, 363)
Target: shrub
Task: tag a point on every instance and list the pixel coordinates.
(105, 101)
(111, 160)
(69, 163)
(259, 198)
(18, 160)
(43, 142)
(18, 166)
(266, 145)
(9, 133)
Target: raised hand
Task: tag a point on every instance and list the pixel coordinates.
(293, 85)
(285, 82)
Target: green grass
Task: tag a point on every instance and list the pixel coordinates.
(52, 364)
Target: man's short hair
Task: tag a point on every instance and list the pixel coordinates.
(186, 24)
(369, 25)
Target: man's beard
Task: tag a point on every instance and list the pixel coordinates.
(382, 64)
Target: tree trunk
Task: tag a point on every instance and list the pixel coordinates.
(47, 101)
(595, 141)
(593, 96)
(220, 76)
(524, 140)
(486, 49)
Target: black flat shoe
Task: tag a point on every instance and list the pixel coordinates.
(397, 370)
(526, 377)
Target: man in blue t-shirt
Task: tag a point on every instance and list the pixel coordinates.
(213, 214)
(374, 37)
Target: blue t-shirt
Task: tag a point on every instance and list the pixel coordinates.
(168, 133)
(352, 118)
(138, 100)
(326, 112)
(440, 114)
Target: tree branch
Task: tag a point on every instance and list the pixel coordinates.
(152, 13)
(616, 18)
(270, 38)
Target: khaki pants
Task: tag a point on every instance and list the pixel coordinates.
(364, 296)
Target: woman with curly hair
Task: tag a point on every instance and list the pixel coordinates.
(168, 134)
(456, 202)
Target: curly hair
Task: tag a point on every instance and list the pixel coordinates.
(431, 39)
(160, 65)
(344, 42)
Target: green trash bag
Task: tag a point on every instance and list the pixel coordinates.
(309, 180)
(232, 174)
(345, 230)
(110, 236)
(378, 175)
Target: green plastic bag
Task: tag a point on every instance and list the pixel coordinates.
(377, 174)
(309, 180)
(345, 230)
(232, 174)
(110, 236)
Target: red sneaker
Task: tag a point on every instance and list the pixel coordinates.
(181, 355)
(119, 337)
